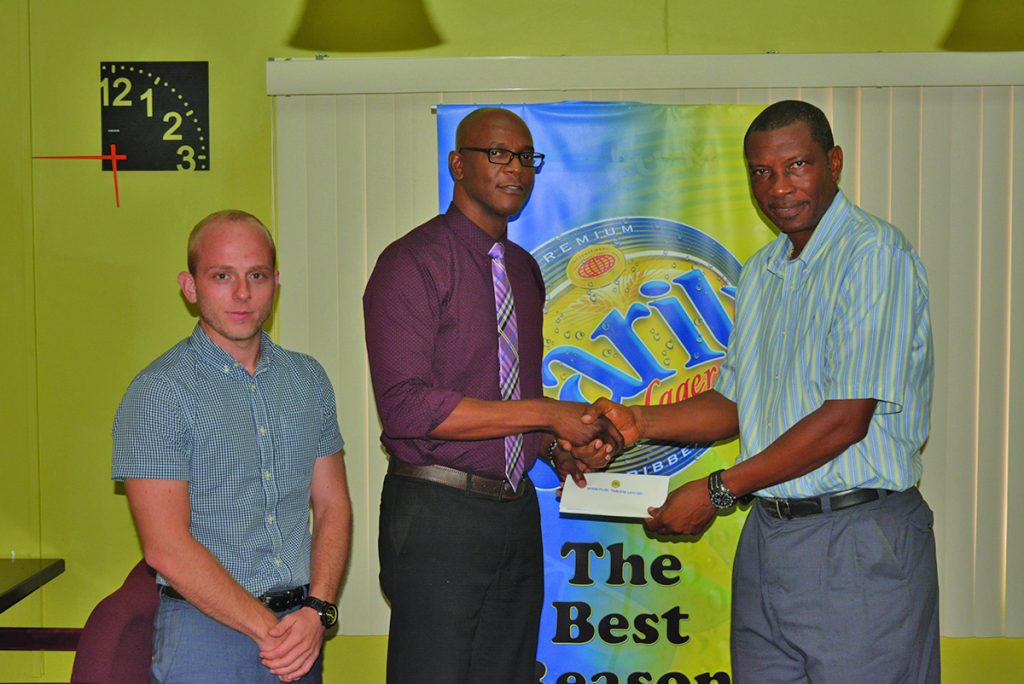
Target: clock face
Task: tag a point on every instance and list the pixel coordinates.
(157, 114)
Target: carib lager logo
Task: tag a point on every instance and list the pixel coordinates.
(639, 310)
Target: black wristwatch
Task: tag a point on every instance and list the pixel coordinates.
(721, 497)
(327, 611)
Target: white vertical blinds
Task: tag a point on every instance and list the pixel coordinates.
(356, 168)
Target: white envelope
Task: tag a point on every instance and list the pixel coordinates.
(614, 495)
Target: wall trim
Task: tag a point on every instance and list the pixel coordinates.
(342, 76)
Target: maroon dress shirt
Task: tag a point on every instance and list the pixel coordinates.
(431, 337)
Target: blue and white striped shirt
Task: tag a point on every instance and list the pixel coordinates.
(245, 443)
(847, 319)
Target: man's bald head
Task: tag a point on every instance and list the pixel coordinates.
(224, 216)
(480, 116)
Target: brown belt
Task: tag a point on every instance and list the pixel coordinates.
(499, 490)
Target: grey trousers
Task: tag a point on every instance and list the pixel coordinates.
(841, 597)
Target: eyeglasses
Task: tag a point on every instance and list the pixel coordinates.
(503, 157)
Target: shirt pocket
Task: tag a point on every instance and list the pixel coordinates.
(296, 441)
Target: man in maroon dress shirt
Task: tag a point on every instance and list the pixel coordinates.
(460, 548)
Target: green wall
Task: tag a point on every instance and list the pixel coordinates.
(19, 487)
(90, 290)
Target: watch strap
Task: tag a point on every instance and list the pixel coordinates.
(721, 497)
(549, 453)
(327, 611)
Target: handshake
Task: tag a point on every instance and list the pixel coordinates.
(590, 435)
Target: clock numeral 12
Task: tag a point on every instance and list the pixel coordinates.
(121, 97)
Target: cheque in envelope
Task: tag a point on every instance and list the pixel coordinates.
(614, 495)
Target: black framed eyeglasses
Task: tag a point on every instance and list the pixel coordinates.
(503, 157)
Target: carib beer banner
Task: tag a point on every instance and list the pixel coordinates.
(640, 219)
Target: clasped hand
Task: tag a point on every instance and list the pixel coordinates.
(618, 422)
(687, 510)
(293, 645)
(592, 435)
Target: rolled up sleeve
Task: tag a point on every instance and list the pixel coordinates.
(402, 315)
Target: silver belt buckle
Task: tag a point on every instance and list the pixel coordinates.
(781, 507)
(506, 492)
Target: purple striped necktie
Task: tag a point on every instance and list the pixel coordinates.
(508, 357)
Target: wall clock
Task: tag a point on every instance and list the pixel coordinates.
(157, 114)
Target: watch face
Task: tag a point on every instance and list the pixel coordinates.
(720, 496)
(722, 500)
(157, 114)
(330, 615)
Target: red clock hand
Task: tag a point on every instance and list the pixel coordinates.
(113, 157)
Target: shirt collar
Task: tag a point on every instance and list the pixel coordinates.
(822, 235)
(472, 235)
(210, 353)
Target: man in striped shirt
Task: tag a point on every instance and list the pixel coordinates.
(828, 383)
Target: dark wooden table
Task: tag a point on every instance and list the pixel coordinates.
(20, 577)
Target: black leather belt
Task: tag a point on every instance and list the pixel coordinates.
(274, 600)
(797, 508)
(499, 490)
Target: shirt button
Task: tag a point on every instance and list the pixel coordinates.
(227, 369)
(267, 475)
(263, 431)
(270, 519)
(253, 387)
(277, 562)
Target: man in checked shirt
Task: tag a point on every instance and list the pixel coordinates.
(224, 443)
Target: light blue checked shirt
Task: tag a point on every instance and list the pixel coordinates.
(245, 443)
(847, 319)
